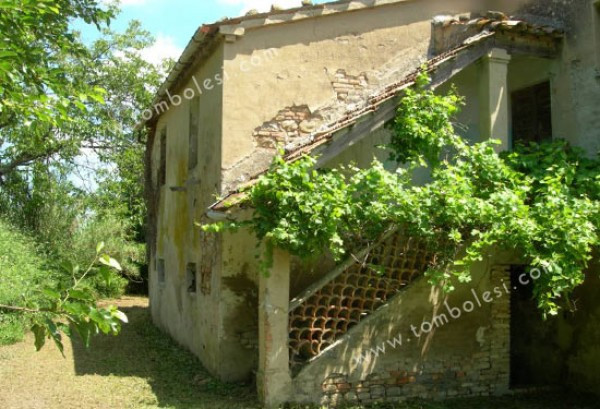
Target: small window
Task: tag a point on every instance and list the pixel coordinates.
(191, 277)
(160, 269)
(194, 127)
(162, 170)
(531, 114)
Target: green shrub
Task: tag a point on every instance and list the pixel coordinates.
(113, 231)
(67, 223)
(21, 272)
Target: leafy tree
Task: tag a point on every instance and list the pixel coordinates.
(61, 99)
(110, 130)
(39, 194)
(37, 96)
(59, 96)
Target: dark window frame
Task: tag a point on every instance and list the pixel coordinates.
(531, 113)
(194, 132)
(191, 274)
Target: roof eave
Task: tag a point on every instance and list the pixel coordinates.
(202, 41)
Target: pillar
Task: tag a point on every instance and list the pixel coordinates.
(494, 114)
(273, 378)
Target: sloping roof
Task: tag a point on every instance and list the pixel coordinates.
(488, 26)
(499, 22)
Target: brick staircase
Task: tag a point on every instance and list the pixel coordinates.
(329, 308)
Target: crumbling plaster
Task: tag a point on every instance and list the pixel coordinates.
(313, 59)
(191, 318)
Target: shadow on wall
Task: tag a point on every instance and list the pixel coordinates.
(583, 332)
(562, 350)
(175, 375)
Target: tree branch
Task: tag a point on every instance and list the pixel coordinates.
(20, 309)
(25, 158)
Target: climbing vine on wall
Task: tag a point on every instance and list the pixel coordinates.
(541, 201)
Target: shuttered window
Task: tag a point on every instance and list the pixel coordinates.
(532, 114)
(162, 168)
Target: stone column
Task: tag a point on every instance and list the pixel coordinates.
(273, 378)
(493, 111)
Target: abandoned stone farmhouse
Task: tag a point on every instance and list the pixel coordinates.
(323, 80)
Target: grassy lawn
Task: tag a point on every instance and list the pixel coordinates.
(142, 368)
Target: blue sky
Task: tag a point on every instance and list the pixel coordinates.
(173, 22)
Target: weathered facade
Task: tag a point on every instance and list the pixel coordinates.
(323, 80)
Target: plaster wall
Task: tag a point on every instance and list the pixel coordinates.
(578, 334)
(373, 46)
(575, 77)
(190, 317)
(238, 305)
(467, 122)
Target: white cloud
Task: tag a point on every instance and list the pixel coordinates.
(125, 3)
(164, 47)
(261, 5)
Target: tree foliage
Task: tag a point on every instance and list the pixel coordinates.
(540, 201)
(62, 100)
(37, 95)
(63, 177)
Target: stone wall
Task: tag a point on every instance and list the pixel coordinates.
(292, 126)
(348, 87)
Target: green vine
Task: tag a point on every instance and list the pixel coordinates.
(542, 201)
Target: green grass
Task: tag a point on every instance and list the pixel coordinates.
(11, 328)
(140, 368)
(144, 368)
(21, 271)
